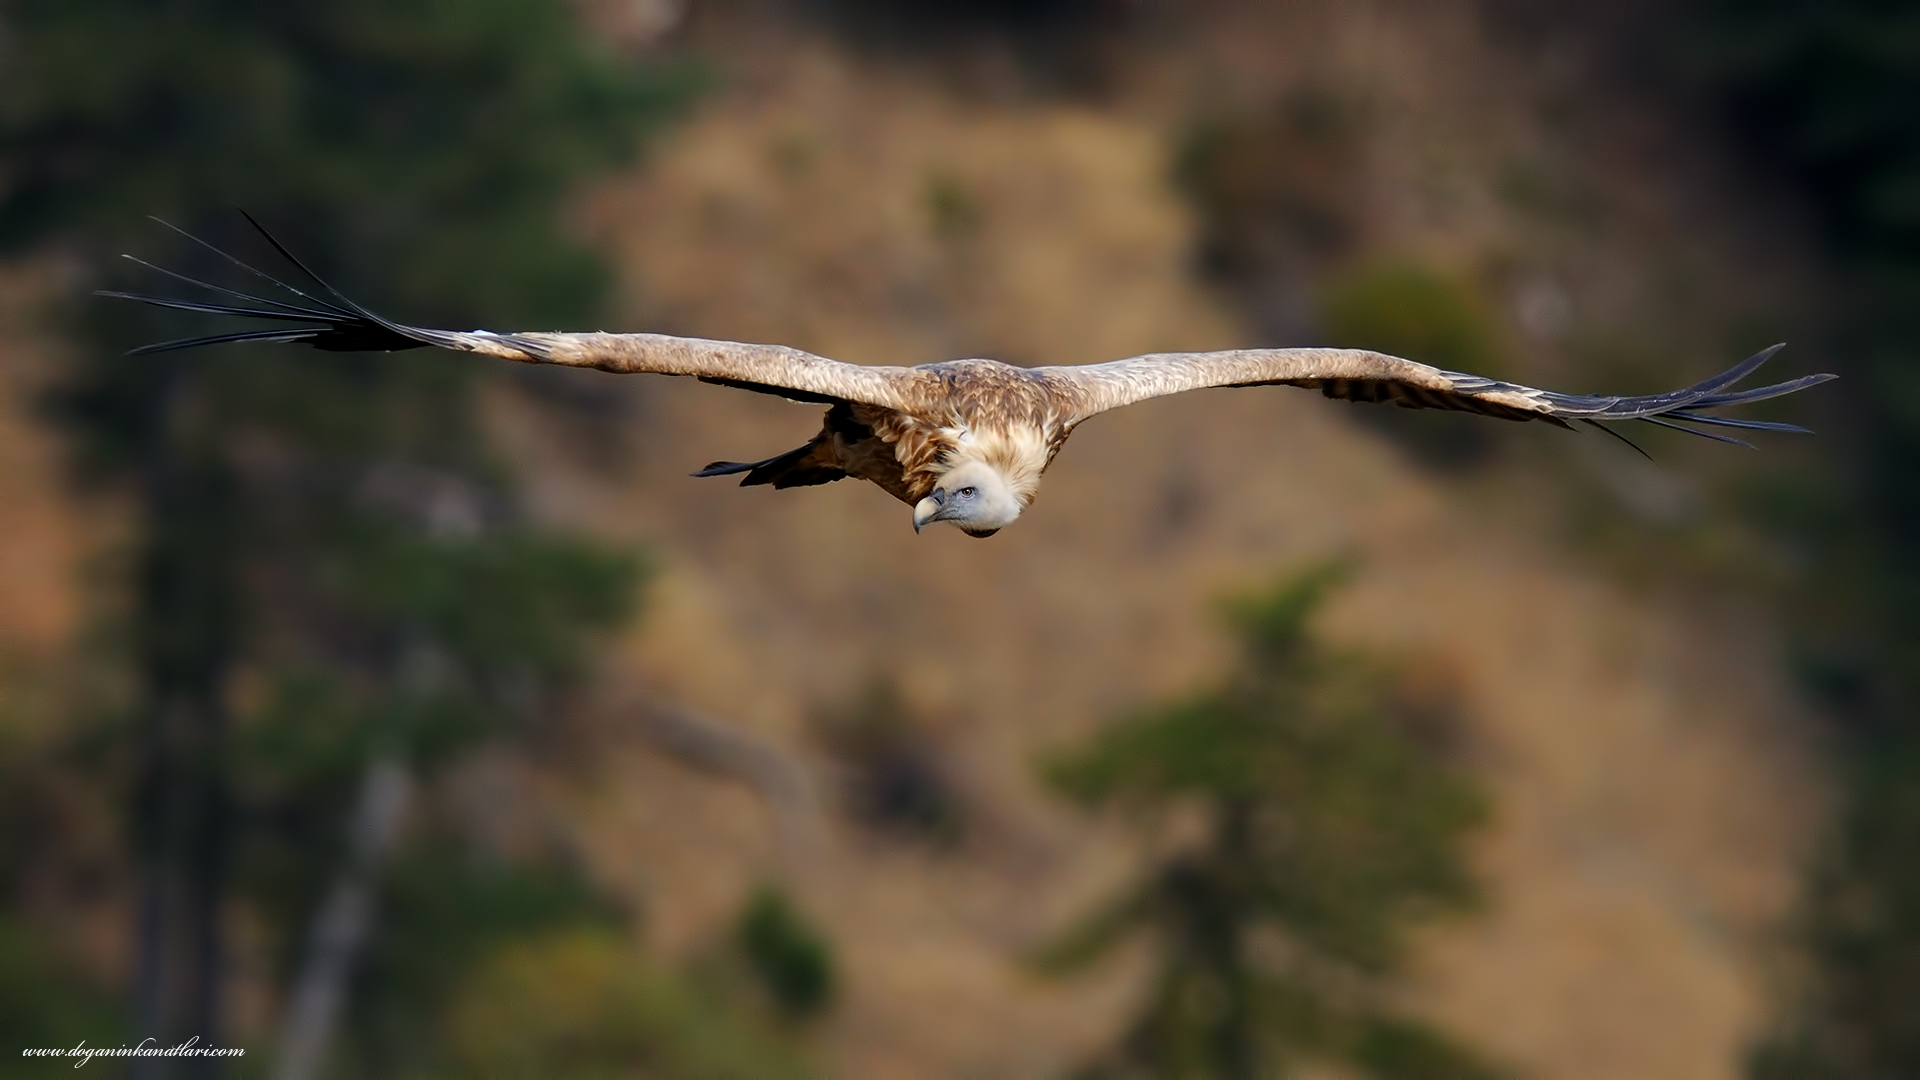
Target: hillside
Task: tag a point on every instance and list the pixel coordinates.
(1653, 789)
(1652, 803)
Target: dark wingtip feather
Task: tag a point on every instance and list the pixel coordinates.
(1597, 425)
(302, 267)
(317, 313)
(1691, 417)
(1676, 409)
(1763, 393)
(222, 339)
(206, 309)
(1737, 372)
(1663, 422)
(335, 312)
(349, 328)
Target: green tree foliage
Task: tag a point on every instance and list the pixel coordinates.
(1330, 825)
(583, 1003)
(330, 561)
(1827, 90)
(1404, 308)
(419, 142)
(788, 954)
(1280, 222)
(1407, 309)
(44, 1003)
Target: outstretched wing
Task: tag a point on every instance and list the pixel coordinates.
(1359, 375)
(326, 319)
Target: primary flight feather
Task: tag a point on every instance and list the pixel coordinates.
(964, 441)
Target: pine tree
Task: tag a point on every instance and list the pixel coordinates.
(334, 593)
(1331, 822)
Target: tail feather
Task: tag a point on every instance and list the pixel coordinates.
(802, 466)
(728, 468)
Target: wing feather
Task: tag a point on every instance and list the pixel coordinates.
(1360, 375)
(337, 323)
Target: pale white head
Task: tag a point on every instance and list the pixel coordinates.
(972, 495)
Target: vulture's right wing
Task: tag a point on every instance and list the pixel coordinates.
(327, 319)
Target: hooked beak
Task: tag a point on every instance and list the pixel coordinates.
(929, 509)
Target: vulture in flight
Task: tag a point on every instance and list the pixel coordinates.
(964, 441)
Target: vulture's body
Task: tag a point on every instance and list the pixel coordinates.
(967, 441)
(983, 411)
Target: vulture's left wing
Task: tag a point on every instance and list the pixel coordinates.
(1359, 375)
(326, 319)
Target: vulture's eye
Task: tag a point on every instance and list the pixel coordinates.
(966, 493)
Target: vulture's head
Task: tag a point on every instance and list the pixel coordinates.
(972, 495)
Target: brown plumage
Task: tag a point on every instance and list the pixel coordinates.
(966, 441)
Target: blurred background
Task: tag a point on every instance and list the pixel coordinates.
(416, 715)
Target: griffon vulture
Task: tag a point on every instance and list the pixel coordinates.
(964, 441)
